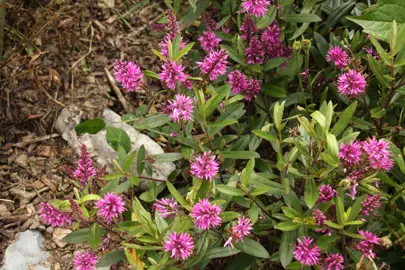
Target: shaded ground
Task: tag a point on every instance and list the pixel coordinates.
(55, 56)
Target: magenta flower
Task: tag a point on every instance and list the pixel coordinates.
(214, 64)
(334, 261)
(252, 89)
(181, 245)
(166, 207)
(54, 216)
(306, 252)
(350, 153)
(173, 31)
(204, 166)
(210, 23)
(128, 74)
(271, 38)
(255, 52)
(378, 154)
(320, 220)
(366, 245)
(370, 204)
(172, 73)
(352, 83)
(326, 193)
(353, 189)
(206, 215)
(338, 56)
(110, 206)
(85, 261)
(248, 28)
(255, 7)
(241, 229)
(238, 81)
(181, 108)
(209, 41)
(85, 169)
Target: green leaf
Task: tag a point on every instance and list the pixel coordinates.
(290, 212)
(340, 211)
(287, 246)
(253, 248)
(264, 135)
(77, 237)
(111, 258)
(356, 208)
(90, 197)
(274, 90)
(287, 226)
(381, 52)
(311, 193)
(234, 55)
(278, 115)
(377, 112)
(129, 161)
(247, 172)
(321, 43)
(193, 14)
(134, 180)
(233, 191)
(339, 12)
(334, 225)
(158, 54)
(344, 118)
(320, 118)
(168, 157)
(239, 154)
(377, 71)
(220, 252)
(333, 147)
(94, 237)
(177, 195)
(184, 51)
(92, 126)
(116, 136)
(139, 159)
(153, 121)
(222, 123)
(378, 19)
(267, 19)
(151, 74)
(301, 18)
(273, 63)
(217, 98)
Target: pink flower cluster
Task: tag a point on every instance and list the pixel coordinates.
(214, 64)
(306, 252)
(248, 28)
(54, 216)
(366, 245)
(180, 109)
(167, 207)
(110, 206)
(326, 193)
(334, 261)
(209, 41)
(351, 83)
(204, 166)
(172, 73)
(173, 31)
(361, 156)
(241, 85)
(257, 8)
(320, 220)
(206, 215)
(241, 229)
(370, 204)
(85, 261)
(338, 56)
(85, 170)
(128, 74)
(180, 245)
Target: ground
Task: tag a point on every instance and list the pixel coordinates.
(55, 56)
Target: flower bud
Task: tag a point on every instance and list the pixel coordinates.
(386, 242)
(345, 183)
(297, 46)
(306, 44)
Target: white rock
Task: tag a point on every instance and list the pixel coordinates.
(58, 235)
(98, 147)
(26, 253)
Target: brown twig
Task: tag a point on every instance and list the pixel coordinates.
(2, 24)
(39, 139)
(117, 91)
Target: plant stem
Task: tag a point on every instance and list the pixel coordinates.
(2, 24)
(261, 208)
(344, 250)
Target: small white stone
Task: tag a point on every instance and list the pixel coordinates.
(58, 235)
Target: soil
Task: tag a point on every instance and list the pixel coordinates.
(55, 55)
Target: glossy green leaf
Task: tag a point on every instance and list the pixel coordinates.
(287, 226)
(233, 191)
(311, 193)
(94, 236)
(253, 248)
(220, 252)
(301, 18)
(239, 154)
(91, 126)
(116, 136)
(287, 246)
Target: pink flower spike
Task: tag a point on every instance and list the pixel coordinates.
(181, 108)
(180, 245)
(338, 56)
(306, 252)
(350, 153)
(326, 193)
(167, 207)
(248, 28)
(334, 261)
(241, 229)
(353, 189)
(206, 215)
(252, 89)
(85, 169)
(204, 166)
(238, 81)
(214, 64)
(128, 74)
(54, 216)
(85, 261)
(110, 206)
(378, 154)
(172, 73)
(352, 83)
(255, 7)
(209, 41)
(255, 52)
(366, 245)
(370, 204)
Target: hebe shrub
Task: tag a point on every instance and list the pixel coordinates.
(287, 118)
